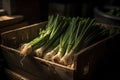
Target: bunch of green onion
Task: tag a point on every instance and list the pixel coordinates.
(80, 33)
(45, 35)
(65, 36)
(77, 36)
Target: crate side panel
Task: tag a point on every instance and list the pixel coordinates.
(55, 71)
(89, 59)
(15, 38)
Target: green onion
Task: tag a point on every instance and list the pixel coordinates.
(27, 48)
(57, 30)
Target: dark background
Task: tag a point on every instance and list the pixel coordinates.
(37, 10)
(83, 8)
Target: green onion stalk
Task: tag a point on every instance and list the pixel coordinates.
(60, 47)
(58, 29)
(61, 50)
(65, 40)
(27, 48)
(67, 59)
(51, 53)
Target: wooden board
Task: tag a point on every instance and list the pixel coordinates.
(10, 20)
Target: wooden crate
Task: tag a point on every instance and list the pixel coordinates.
(10, 20)
(13, 26)
(86, 61)
(12, 75)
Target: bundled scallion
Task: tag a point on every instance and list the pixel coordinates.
(80, 33)
(58, 28)
(43, 37)
(65, 40)
(65, 36)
